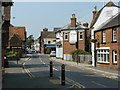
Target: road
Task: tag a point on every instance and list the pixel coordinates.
(38, 66)
(86, 78)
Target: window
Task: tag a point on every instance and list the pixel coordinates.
(114, 56)
(103, 56)
(81, 36)
(114, 34)
(54, 40)
(49, 42)
(65, 36)
(104, 36)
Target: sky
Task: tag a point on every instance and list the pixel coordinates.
(36, 16)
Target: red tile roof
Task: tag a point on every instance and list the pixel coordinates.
(19, 31)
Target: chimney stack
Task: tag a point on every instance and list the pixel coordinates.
(94, 11)
(85, 24)
(73, 21)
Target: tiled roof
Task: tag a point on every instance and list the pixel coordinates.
(47, 34)
(20, 31)
(99, 12)
(68, 27)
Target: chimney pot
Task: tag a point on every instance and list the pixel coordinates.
(45, 29)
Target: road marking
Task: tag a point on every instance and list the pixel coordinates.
(99, 84)
(55, 69)
(74, 83)
(27, 71)
(43, 63)
(81, 67)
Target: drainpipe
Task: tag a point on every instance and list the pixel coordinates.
(1, 36)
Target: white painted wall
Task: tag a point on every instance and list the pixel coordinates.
(59, 50)
(106, 14)
(49, 39)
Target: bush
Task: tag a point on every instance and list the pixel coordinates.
(12, 54)
(74, 53)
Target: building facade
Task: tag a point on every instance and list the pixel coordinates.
(47, 41)
(6, 15)
(37, 45)
(17, 39)
(105, 37)
(68, 36)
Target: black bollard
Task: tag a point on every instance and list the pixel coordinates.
(63, 74)
(51, 69)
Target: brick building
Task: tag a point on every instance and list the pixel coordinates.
(105, 37)
(67, 38)
(17, 39)
(6, 14)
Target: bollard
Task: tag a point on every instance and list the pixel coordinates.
(63, 74)
(51, 69)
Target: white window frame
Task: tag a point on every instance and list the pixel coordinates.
(114, 34)
(66, 33)
(114, 55)
(80, 33)
(104, 36)
(103, 56)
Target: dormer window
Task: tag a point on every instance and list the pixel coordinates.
(65, 36)
(104, 36)
(114, 34)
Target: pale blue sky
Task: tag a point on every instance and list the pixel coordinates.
(38, 15)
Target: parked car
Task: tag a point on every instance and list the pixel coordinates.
(52, 54)
(32, 50)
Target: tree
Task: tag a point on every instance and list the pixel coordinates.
(30, 41)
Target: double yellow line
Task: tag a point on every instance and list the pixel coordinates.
(74, 83)
(27, 70)
(70, 80)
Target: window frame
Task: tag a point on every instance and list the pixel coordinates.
(104, 37)
(66, 33)
(103, 53)
(114, 38)
(80, 35)
(114, 53)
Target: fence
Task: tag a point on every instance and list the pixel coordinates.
(81, 58)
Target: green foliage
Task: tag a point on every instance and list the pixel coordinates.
(30, 41)
(78, 52)
(12, 54)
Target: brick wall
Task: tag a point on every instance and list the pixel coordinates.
(113, 46)
(67, 47)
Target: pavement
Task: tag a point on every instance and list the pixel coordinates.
(18, 76)
(108, 73)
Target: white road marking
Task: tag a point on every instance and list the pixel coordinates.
(99, 84)
(41, 60)
(55, 69)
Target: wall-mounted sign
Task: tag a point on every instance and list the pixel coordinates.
(73, 37)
